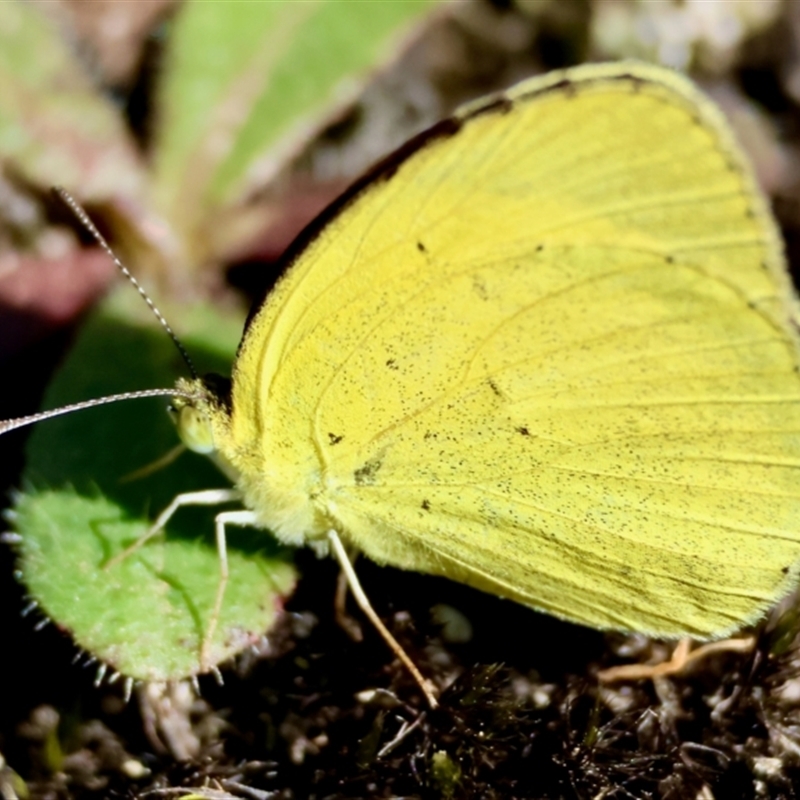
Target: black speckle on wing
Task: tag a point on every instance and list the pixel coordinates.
(365, 476)
(494, 387)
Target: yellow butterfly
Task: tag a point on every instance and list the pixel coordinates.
(546, 349)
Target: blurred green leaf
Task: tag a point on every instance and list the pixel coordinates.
(242, 87)
(55, 127)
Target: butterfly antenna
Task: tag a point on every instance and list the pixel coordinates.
(20, 422)
(87, 223)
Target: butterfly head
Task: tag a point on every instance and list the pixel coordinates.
(197, 410)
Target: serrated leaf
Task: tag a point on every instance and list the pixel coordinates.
(145, 616)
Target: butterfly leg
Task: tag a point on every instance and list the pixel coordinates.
(243, 519)
(347, 623)
(209, 497)
(681, 658)
(363, 601)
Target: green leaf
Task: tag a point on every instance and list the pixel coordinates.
(242, 82)
(147, 615)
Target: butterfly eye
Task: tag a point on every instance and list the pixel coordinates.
(194, 429)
